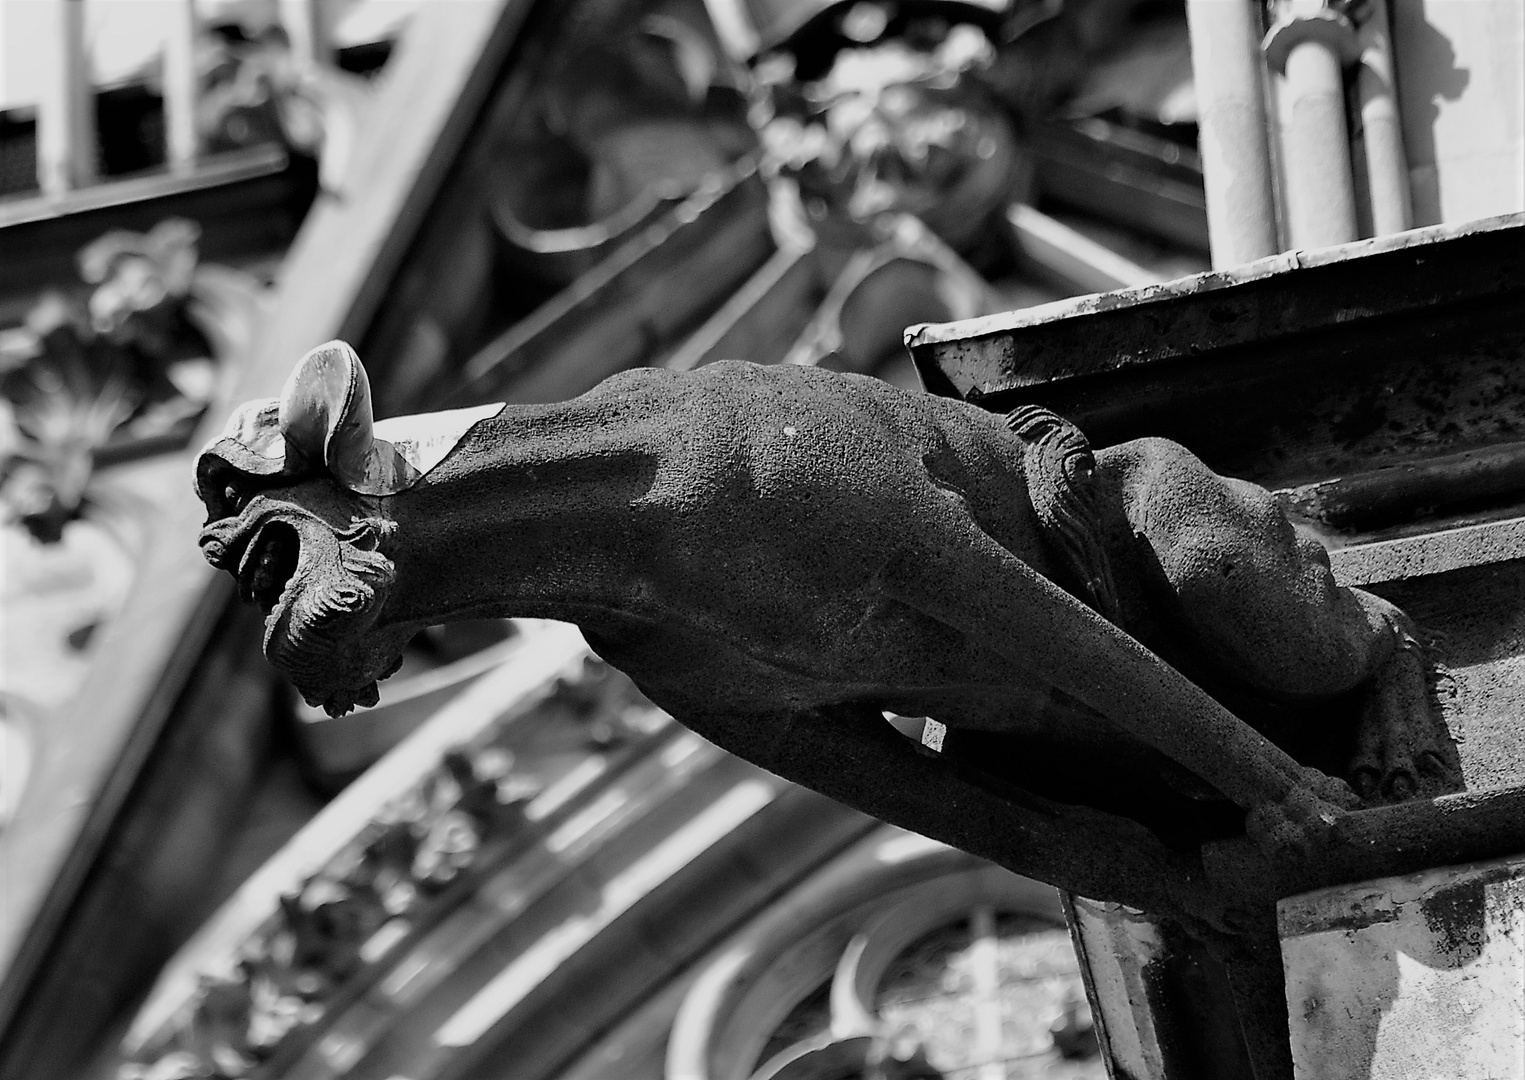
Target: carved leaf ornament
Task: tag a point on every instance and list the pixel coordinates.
(848, 946)
(250, 1005)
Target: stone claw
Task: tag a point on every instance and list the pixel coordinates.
(1431, 765)
(1330, 789)
(337, 704)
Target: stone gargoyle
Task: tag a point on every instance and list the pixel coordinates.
(1122, 645)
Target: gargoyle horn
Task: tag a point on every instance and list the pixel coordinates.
(325, 413)
(322, 423)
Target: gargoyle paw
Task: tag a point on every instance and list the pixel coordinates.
(1330, 789)
(1301, 820)
(1403, 750)
(341, 702)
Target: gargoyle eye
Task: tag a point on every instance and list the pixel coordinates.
(233, 499)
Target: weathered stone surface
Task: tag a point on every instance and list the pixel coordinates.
(780, 555)
(1419, 977)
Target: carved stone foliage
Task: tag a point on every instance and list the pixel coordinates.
(122, 366)
(418, 856)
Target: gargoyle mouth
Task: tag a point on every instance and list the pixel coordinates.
(320, 590)
(268, 565)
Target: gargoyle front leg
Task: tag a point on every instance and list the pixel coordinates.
(978, 588)
(851, 753)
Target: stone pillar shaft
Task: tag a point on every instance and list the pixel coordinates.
(180, 88)
(1236, 160)
(1318, 190)
(1387, 167)
(66, 112)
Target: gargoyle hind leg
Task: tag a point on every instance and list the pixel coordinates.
(973, 585)
(1262, 601)
(852, 754)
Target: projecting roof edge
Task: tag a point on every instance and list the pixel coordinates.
(963, 330)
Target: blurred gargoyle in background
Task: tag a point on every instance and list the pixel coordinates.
(780, 556)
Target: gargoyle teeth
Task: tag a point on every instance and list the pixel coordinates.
(266, 569)
(265, 580)
(248, 555)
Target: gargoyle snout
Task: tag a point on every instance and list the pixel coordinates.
(222, 539)
(258, 547)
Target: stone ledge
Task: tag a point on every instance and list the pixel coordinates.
(1409, 978)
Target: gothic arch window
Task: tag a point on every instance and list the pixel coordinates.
(965, 974)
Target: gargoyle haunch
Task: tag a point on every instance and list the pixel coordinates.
(773, 553)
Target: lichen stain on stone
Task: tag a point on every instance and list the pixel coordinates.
(1358, 917)
(1455, 916)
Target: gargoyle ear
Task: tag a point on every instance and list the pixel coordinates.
(325, 412)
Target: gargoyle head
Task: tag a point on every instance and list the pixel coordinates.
(297, 491)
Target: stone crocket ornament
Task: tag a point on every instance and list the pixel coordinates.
(781, 556)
